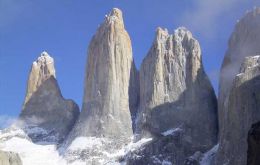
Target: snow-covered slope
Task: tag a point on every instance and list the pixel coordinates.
(16, 140)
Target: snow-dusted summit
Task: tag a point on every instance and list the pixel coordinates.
(44, 107)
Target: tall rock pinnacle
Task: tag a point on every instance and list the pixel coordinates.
(177, 101)
(239, 94)
(106, 103)
(44, 106)
(42, 69)
(172, 74)
(106, 98)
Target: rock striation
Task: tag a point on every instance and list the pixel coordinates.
(175, 94)
(9, 158)
(111, 86)
(45, 111)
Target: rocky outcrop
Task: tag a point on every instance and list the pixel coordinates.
(243, 113)
(238, 89)
(45, 111)
(41, 70)
(111, 87)
(175, 93)
(9, 158)
(243, 42)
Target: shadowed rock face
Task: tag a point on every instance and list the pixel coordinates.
(243, 42)
(238, 90)
(175, 93)
(243, 111)
(253, 141)
(44, 106)
(106, 107)
(10, 158)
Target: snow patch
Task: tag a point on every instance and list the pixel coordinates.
(15, 140)
(86, 142)
(165, 162)
(209, 156)
(171, 131)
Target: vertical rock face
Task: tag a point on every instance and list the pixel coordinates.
(244, 42)
(243, 112)
(41, 70)
(236, 102)
(176, 96)
(44, 107)
(111, 87)
(173, 82)
(10, 158)
(111, 94)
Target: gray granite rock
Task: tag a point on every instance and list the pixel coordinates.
(46, 115)
(9, 158)
(243, 113)
(105, 110)
(237, 74)
(243, 42)
(111, 89)
(175, 93)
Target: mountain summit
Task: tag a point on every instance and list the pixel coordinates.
(106, 103)
(44, 107)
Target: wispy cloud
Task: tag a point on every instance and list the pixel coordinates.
(6, 121)
(214, 75)
(206, 15)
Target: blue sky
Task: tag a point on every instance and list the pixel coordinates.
(64, 28)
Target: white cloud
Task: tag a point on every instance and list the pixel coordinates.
(206, 15)
(214, 75)
(6, 121)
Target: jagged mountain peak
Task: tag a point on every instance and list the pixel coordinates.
(109, 94)
(161, 32)
(44, 105)
(45, 63)
(116, 13)
(180, 32)
(174, 89)
(249, 63)
(44, 56)
(115, 17)
(42, 69)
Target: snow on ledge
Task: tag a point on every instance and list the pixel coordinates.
(171, 131)
(209, 156)
(86, 142)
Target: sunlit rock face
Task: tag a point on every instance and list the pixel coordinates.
(175, 94)
(42, 69)
(111, 89)
(44, 107)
